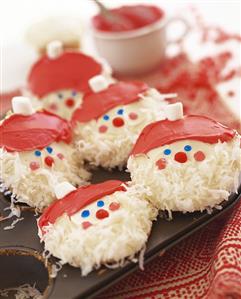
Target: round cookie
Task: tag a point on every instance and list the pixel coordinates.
(190, 163)
(94, 225)
(109, 121)
(36, 153)
(58, 80)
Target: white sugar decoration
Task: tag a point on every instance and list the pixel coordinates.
(174, 111)
(98, 83)
(54, 49)
(63, 189)
(22, 105)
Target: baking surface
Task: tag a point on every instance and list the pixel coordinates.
(69, 283)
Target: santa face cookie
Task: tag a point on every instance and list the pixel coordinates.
(101, 224)
(109, 121)
(190, 164)
(58, 80)
(36, 154)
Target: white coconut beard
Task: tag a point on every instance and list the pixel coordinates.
(192, 186)
(110, 241)
(111, 149)
(36, 188)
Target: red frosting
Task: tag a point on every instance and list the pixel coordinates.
(128, 18)
(97, 104)
(191, 127)
(25, 133)
(78, 199)
(71, 70)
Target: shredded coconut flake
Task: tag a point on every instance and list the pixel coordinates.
(25, 291)
(191, 186)
(111, 149)
(36, 188)
(111, 241)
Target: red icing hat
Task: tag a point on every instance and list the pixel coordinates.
(96, 104)
(193, 127)
(78, 199)
(24, 133)
(71, 70)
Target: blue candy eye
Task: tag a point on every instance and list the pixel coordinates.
(167, 152)
(60, 95)
(187, 148)
(74, 93)
(106, 117)
(37, 153)
(100, 203)
(85, 213)
(49, 149)
(120, 111)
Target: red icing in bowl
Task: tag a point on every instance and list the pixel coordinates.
(25, 133)
(78, 199)
(71, 70)
(191, 127)
(97, 104)
(128, 18)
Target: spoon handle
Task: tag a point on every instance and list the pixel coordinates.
(103, 9)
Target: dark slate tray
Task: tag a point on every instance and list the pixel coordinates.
(21, 260)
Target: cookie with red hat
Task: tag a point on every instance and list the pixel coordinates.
(190, 163)
(36, 153)
(111, 118)
(58, 80)
(102, 224)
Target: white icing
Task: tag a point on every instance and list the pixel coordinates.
(36, 187)
(111, 149)
(98, 83)
(191, 186)
(22, 105)
(63, 189)
(56, 102)
(54, 49)
(107, 241)
(174, 111)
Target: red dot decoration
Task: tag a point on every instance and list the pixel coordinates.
(53, 107)
(86, 224)
(103, 129)
(133, 115)
(161, 163)
(199, 156)
(34, 165)
(101, 214)
(60, 156)
(49, 161)
(69, 102)
(180, 157)
(118, 122)
(114, 206)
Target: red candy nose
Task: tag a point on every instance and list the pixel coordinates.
(181, 157)
(118, 122)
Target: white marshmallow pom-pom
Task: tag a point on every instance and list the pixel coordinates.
(22, 105)
(54, 49)
(174, 111)
(98, 83)
(63, 189)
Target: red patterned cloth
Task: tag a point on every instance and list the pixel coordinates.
(206, 265)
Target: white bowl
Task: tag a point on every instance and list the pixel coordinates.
(136, 51)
